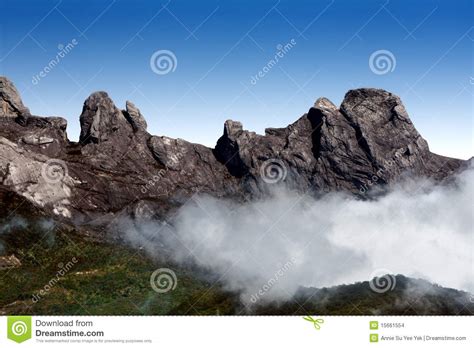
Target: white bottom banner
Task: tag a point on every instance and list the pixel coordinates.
(237, 331)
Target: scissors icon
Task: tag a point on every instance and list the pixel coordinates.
(316, 322)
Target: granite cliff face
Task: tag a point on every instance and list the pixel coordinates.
(117, 167)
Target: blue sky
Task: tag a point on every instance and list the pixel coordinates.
(220, 45)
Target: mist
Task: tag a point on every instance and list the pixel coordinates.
(269, 248)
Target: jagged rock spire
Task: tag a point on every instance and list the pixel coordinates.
(102, 121)
(11, 104)
(134, 116)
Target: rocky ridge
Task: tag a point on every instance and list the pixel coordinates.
(117, 167)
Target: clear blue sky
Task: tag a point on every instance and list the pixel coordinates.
(220, 45)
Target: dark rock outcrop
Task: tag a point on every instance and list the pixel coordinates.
(369, 138)
(44, 135)
(134, 116)
(119, 168)
(101, 120)
(11, 104)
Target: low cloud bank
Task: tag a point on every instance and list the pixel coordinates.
(267, 249)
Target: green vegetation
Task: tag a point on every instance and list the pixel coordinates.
(106, 279)
(409, 297)
(64, 271)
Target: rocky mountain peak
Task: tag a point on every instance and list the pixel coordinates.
(232, 128)
(11, 104)
(324, 104)
(376, 105)
(383, 125)
(100, 119)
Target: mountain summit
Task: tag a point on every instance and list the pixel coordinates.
(118, 167)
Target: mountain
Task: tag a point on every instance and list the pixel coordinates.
(410, 296)
(58, 199)
(118, 168)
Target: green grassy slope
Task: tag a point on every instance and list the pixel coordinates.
(112, 279)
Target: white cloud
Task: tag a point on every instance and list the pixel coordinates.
(417, 230)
